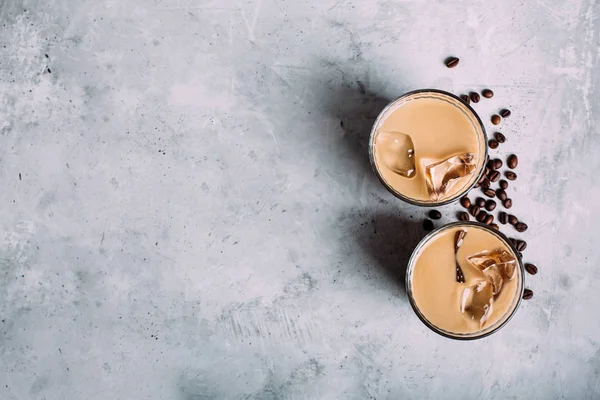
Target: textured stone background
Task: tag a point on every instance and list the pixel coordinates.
(187, 210)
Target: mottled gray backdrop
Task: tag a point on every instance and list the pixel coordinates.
(187, 210)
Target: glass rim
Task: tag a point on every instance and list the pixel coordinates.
(410, 266)
(399, 195)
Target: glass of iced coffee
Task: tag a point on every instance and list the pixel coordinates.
(428, 147)
(465, 280)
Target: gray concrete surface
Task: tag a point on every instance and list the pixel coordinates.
(187, 210)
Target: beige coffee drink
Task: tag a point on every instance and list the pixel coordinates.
(465, 279)
(428, 147)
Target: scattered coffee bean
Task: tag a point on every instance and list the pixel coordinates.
(493, 143)
(502, 217)
(505, 113)
(487, 171)
(481, 179)
(489, 193)
(490, 205)
(489, 167)
(507, 203)
(487, 93)
(521, 245)
(435, 214)
(476, 185)
(501, 193)
(500, 137)
(521, 226)
(481, 216)
(465, 98)
(497, 163)
(485, 183)
(463, 216)
(489, 219)
(428, 225)
(503, 184)
(495, 226)
(451, 62)
(512, 161)
(532, 269)
(495, 119)
(512, 219)
(494, 176)
(465, 202)
(480, 201)
(474, 210)
(513, 241)
(527, 294)
(511, 176)
(474, 97)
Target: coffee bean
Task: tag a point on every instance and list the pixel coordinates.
(494, 176)
(527, 294)
(476, 185)
(489, 166)
(507, 203)
(474, 97)
(486, 171)
(493, 143)
(502, 217)
(512, 161)
(489, 193)
(451, 62)
(500, 137)
(465, 202)
(511, 176)
(481, 216)
(480, 201)
(463, 216)
(428, 225)
(495, 226)
(485, 183)
(532, 269)
(481, 179)
(521, 245)
(489, 219)
(497, 163)
(512, 219)
(495, 119)
(513, 241)
(490, 205)
(487, 93)
(501, 193)
(465, 98)
(474, 210)
(521, 226)
(435, 214)
(505, 113)
(503, 184)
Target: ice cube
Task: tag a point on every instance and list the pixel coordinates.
(396, 151)
(478, 301)
(494, 275)
(442, 175)
(504, 263)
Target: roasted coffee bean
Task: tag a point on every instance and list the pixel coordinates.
(502, 217)
(452, 62)
(512, 219)
(476, 185)
(512, 161)
(480, 201)
(487, 93)
(463, 216)
(428, 225)
(505, 113)
(435, 214)
(513, 241)
(489, 193)
(465, 202)
(489, 167)
(501, 194)
(507, 203)
(494, 176)
(474, 210)
(500, 137)
(521, 245)
(485, 183)
(489, 219)
(493, 143)
(521, 226)
(487, 171)
(481, 179)
(490, 205)
(465, 98)
(532, 269)
(474, 97)
(503, 184)
(495, 226)
(481, 216)
(497, 163)
(527, 294)
(511, 176)
(495, 119)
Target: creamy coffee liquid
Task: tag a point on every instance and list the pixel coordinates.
(440, 127)
(439, 296)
